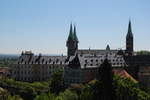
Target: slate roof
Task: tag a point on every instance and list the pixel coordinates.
(33, 59)
(87, 58)
(93, 61)
(96, 51)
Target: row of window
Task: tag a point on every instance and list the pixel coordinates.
(42, 63)
(113, 64)
(114, 60)
(32, 67)
(31, 79)
(30, 72)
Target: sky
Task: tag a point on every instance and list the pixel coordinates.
(42, 26)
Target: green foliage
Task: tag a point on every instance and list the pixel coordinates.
(68, 95)
(6, 62)
(106, 90)
(87, 93)
(143, 52)
(45, 96)
(57, 82)
(42, 97)
(24, 89)
(5, 95)
(15, 97)
(126, 89)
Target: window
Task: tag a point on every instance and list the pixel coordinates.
(22, 60)
(85, 61)
(57, 60)
(96, 60)
(49, 60)
(42, 61)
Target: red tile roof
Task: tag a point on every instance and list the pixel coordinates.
(123, 73)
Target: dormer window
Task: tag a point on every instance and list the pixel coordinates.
(85, 61)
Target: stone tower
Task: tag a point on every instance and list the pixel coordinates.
(129, 40)
(72, 42)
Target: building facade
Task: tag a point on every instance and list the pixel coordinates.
(30, 67)
(80, 65)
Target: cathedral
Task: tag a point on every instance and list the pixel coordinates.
(80, 65)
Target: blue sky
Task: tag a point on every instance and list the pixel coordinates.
(43, 25)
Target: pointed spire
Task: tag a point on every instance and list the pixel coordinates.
(107, 48)
(70, 37)
(75, 36)
(129, 30)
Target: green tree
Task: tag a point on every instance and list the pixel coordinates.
(106, 77)
(69, 95)
(143, 52)
(57, 82)
(15, 97)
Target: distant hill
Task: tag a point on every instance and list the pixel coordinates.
(9, 56)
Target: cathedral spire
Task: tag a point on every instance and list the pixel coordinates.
(129, 34)
(129, 40)
(70, 37)
(72, 42)
(75, 36)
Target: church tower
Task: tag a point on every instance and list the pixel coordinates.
(129, 40)
(72, 42)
